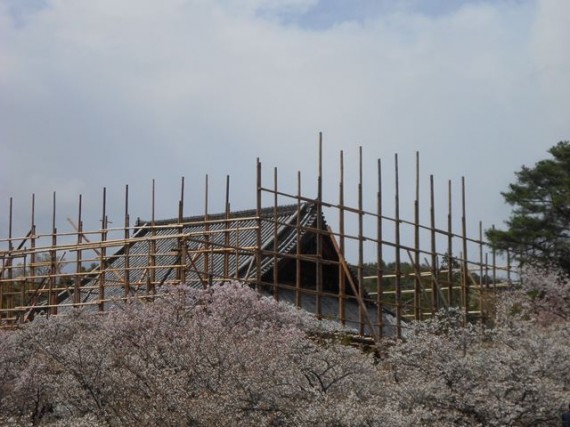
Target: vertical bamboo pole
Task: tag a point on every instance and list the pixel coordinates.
(509, 267)
(275, 236)
(434, 284)
(485, 308)
(258, 231)
(486, 270)
(450, 260)
(416, 266)
(10, 272)
(79, 254)
(494, 258)
(361, 313)
(19, 315)
(102, 253)
(152, 247)
(181, 239)
(480, 253)
(33, 248)
(318, 265)
(4, 266)
(207, 270)
(52, 292)
(482, 317)
(127, 254)
(341, 273)
(11, 286)
(520, 271)
(227, 231)
(465, 278)
(181, 201)
(236, 239)
(397, 279)
(298, 244)
(379, 257)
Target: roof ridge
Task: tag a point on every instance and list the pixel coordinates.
(265, 212)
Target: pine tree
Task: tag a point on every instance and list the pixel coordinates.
(539, 226)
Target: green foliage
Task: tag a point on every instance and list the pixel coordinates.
(539, 226)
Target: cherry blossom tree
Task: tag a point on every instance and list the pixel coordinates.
(516, 374)
(545, 295)
(223, 356)
(226, 356)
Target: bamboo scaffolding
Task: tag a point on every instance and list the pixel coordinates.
(298, 246)
(379, 257)
(318, 266)
(341, 249)
(362, 309)
(46, 272)
(416, 260)
(397, 247)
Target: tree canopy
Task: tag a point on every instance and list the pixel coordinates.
(539, 226)
(223, 356)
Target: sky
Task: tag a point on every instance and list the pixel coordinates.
(110, 93)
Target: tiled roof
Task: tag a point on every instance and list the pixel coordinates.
(207, 240)
(216, 233)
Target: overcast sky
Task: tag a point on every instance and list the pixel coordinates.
(106, 93)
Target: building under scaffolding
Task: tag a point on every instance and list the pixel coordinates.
(200, 251)
(284, 248)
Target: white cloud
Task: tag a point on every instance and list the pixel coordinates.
(106, 93)
(551, 39)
